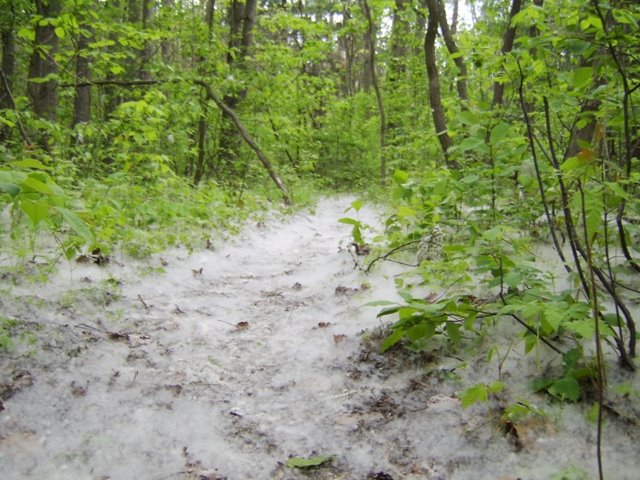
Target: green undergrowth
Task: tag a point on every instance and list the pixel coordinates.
(476, 287)
(48, 214)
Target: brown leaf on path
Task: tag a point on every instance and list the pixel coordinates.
(324, 324)
(339, 338)
(242, 325)
(197, 272)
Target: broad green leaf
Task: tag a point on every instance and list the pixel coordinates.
(348, 221)
(76, 224)
(453, 332)
(389, 311)
(29, 163)
(420, 331)
(400, 176)
(60, 33)
(35, 211)
(582, 77)
(357, 205)
(472, 143)
(10, 188)
(565, 388)
(297, 462)
(391, 340)
(477, 393)
(404, 212)
(499, 132)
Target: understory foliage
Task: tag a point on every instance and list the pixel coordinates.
(536, 218)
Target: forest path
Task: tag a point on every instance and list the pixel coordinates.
(225, 363)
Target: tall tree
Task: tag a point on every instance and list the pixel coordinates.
(507, 44)
(371, 46)
(447, 35)
(82, 100)
(7, 31)
(42, 85)
(435, 98)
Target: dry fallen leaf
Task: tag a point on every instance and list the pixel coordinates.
(339, 338)
(242, 325)
(323, 324)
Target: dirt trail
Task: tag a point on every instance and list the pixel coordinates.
(227, 362)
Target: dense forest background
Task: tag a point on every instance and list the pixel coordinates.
(486, 125)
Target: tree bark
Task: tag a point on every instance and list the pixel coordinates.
(82, 100)
(374, 78)
(507, 46)
(435, 100)
(242, 19)
(461, 78)
(8, 69)
(147, 53)
(42, 64)
(202, 121)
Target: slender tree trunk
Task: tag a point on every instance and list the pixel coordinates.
(507, 46)
(82, 100)
(454, 17)
(461, 78)
(166, 46)
(147, 53)
(435, 100)
(370, 36)
(242, 18)
(8, 70)
(202, 121)
(44, 95)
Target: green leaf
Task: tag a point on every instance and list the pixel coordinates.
(400, 176)
(357, 205)
(582, 77)
(566, 388)
(391, 340)
(472, 143)
(37, 185)
(348, 221)
(35, 211)
(297, 462)
(404, 212)
(29, 163)
(60, 33)
(10, 188)
(499, 132)
(76, 224)
(389, 310)
(477, 393)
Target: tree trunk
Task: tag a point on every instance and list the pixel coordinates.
(454, 17)
(202, 120)
(82, 100)
(461, 78)
(439, 120)
(374, 78)
(8, 70)
(42, 64)
(147, 53)
(507, 46)
(242, 19)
